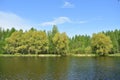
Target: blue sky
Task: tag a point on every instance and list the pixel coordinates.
(71, 16)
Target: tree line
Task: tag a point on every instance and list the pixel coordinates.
(34, 41)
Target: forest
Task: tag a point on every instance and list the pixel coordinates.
(34, 41)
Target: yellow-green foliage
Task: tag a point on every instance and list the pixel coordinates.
(101, 44)
(60, 41)
(27, 42)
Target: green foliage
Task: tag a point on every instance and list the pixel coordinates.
(60, 41)
(88, 50)
(3, 35)
(101, 44)
(54, 42)
(13, 42)
(115, 38)
(31, 42)
(79, 43)
(51, 34)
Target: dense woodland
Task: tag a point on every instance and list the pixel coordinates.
(34, 41)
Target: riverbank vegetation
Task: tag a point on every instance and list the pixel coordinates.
(37, 42)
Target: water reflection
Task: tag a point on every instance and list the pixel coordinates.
(107, 68)
(60, 68)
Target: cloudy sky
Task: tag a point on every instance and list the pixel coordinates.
(71, 16)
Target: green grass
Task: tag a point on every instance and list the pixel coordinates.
(29, 55)
(45, 55)
(53, 55)
(117, 54)
(80, 55)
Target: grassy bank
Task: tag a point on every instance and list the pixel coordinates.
(53, 55)
(29, 55)
(117, 54)
(45, 55)
(82, 55)
(92, 55)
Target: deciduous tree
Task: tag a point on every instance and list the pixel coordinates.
(60, 41)
(101, 44)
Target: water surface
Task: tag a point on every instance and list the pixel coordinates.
(60, 68)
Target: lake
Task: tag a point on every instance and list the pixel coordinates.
(59, 68)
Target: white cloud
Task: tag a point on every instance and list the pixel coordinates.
(62, 20)
(68, 5)
(59, 20)
(9, 20)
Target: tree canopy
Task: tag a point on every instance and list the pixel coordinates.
(101, 44)
(31, 42)
(35, 41)
(60, 41)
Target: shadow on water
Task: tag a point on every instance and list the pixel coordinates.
(60, 68)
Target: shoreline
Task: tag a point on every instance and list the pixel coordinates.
(55, 55)
(29, 55)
